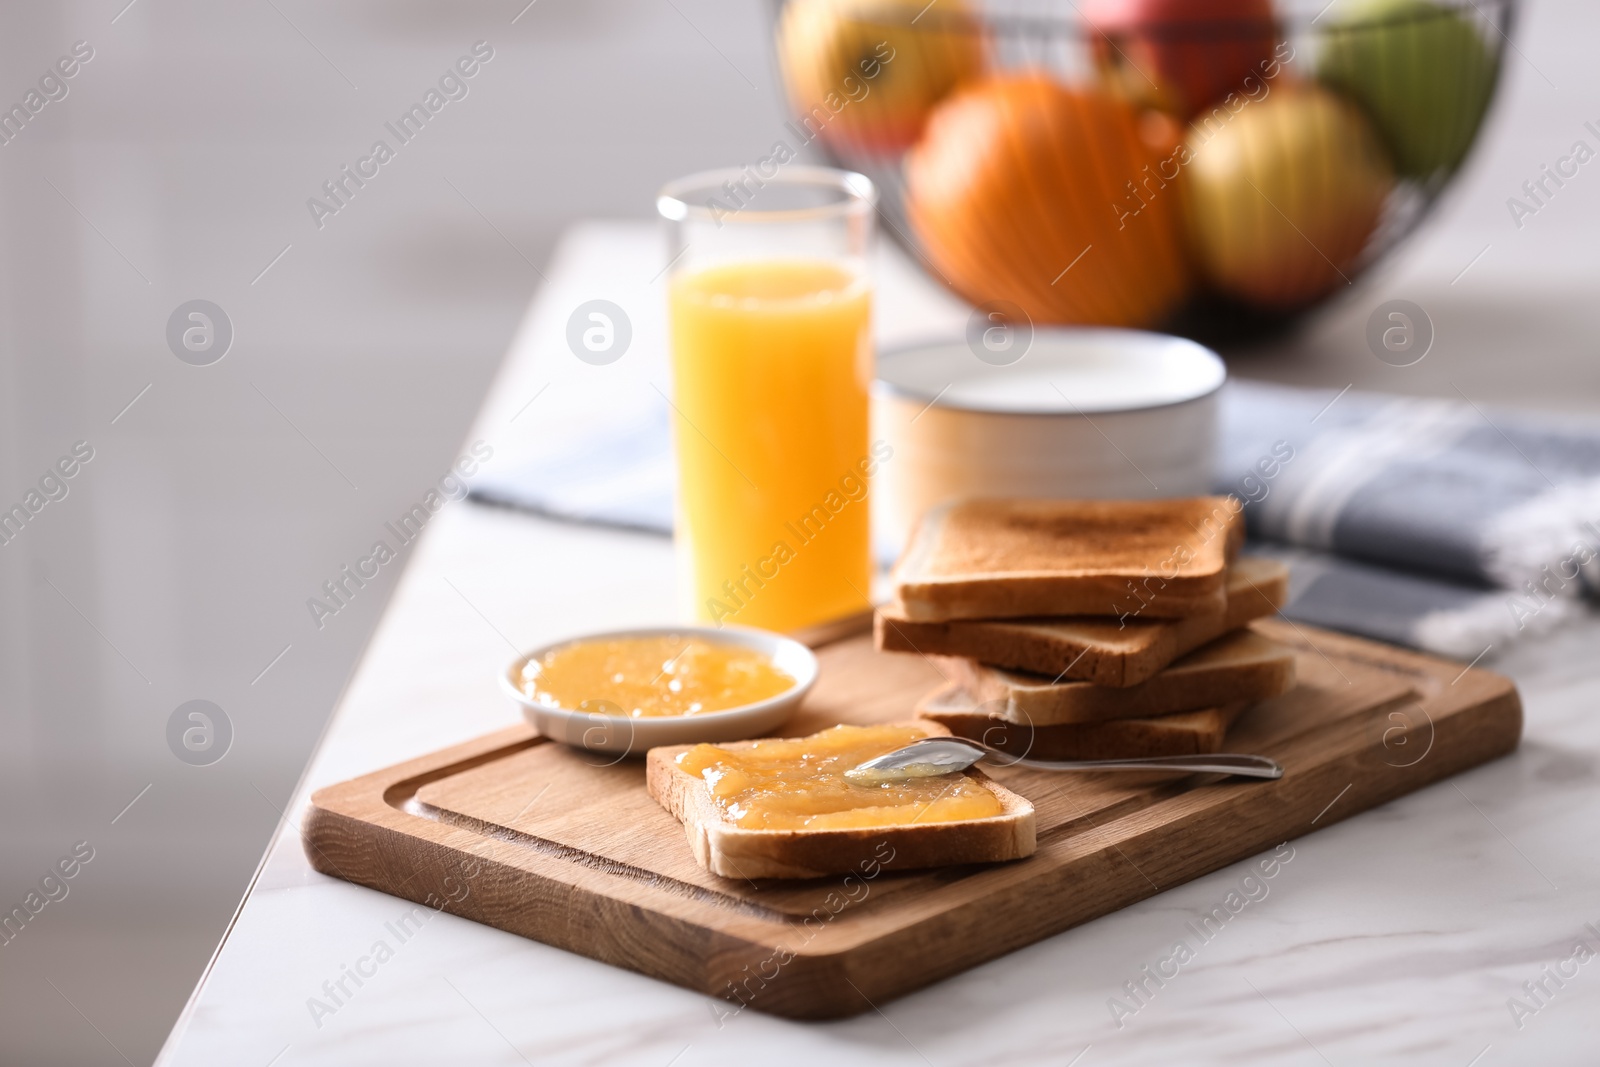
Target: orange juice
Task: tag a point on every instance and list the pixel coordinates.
(771, 363)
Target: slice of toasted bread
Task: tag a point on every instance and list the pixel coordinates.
(1090, 649)
(1182, 734)
(1005, 558)
(735, 852)
(1242, 667)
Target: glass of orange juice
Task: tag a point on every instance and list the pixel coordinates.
(770, 306)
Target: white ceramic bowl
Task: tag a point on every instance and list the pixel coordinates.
(1088, 413)
(624, 735)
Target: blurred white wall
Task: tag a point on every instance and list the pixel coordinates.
(177, 567)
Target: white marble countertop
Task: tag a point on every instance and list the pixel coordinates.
(1400, 935)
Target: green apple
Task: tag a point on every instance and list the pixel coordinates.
(1422, 71)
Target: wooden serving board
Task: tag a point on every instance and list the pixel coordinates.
(558, 845)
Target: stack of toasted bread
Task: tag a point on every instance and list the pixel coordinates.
(1074, 629)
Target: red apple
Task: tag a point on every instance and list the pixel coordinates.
(1180, 55)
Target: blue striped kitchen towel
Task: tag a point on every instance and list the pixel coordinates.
(1431, 523)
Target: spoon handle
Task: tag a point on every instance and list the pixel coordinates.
(1246, 766)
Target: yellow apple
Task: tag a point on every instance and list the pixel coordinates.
(1281, 195)
(864, 74)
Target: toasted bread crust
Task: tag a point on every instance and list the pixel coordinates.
(1181, 734)
(734, 852)
(1004, 558)
(1099, 650)
(1241, 667)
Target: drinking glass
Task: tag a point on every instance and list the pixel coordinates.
(770, 312)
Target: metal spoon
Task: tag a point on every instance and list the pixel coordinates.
(933, 756)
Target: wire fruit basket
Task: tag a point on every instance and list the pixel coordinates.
(1211, 167)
